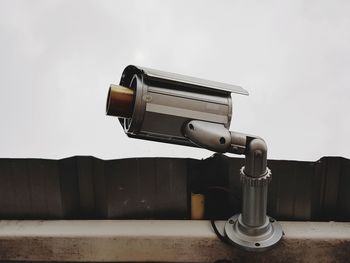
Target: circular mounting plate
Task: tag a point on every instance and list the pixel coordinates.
(251, 242)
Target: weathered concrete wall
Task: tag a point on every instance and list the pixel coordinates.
(163, 241)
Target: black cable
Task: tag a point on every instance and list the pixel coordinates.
(221, 237)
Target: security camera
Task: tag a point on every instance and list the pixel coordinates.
(172, 108)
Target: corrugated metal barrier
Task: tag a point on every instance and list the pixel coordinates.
(160, 188)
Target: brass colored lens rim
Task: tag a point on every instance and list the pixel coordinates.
(120, 101)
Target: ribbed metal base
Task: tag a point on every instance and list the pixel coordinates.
(254, 239)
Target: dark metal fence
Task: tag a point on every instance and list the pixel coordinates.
(160, 188)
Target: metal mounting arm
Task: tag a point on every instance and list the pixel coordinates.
(251, 230)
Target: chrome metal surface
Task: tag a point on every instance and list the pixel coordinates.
(252, 230)
(133, 124)
(256, 157)
(163, 106)
(153, 74)
(254, 201)
(256, 239)
(208, 135)
(207, 84)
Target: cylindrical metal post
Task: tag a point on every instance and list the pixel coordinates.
(254, 204)
(252, 229)
(255, 178)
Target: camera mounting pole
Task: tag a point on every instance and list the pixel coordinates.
(251, 230)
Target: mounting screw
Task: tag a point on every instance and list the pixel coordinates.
(231, 221)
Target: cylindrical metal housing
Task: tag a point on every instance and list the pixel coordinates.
(163, 103)
(254, 204)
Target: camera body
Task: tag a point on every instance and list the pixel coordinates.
(163, 103)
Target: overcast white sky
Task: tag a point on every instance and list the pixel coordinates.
(57, 59)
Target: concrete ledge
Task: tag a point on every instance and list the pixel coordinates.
(163, 241)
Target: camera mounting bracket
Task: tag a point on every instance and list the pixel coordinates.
(251, 230)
